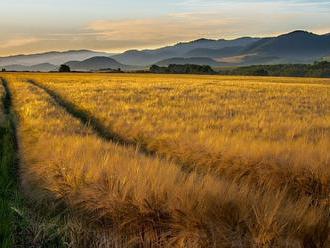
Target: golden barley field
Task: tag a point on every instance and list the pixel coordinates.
(142, 160)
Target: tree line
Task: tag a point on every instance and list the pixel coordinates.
(318, 69)
(183, 69)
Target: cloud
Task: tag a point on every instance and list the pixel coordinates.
(169, 28)
(182, 21)
(18, 42)
(208, 23)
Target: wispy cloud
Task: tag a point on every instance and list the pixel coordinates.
(18, 42)
(121, 25)
(174, 27)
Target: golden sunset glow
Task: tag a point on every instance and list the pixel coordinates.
(35, 26)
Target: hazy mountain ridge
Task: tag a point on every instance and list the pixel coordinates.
(147, 57)
(55, 58)
(297, 44)
(193, 60)
(214, 53)
(295, 47)
(99, 63)
(95, 63)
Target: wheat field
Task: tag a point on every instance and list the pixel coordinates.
(234, 127)
(138, 160)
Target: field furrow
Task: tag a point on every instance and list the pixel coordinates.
(269, 139)
(87, 119)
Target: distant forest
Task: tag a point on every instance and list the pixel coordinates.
(318, 69)
(183, 69)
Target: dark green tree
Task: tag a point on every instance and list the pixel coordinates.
(64, 68)
(156, 69)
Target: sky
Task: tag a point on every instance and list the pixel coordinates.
(30, 26)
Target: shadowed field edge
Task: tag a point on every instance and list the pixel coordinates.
(21, 223)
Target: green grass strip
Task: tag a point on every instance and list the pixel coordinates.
(21, 223)
(10, 200)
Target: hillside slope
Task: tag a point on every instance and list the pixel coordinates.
(97, 63)
(55, 58)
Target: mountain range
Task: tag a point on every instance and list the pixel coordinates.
(294, 47)
(147, 57)
(55, 58)
(98, 63)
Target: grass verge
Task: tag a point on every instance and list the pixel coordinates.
(9, 193)
(20, 224)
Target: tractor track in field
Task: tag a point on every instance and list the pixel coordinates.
(7, 101)
(8, 106)
(97, 126)
(109, 135)
(11, 117)
(84, 116)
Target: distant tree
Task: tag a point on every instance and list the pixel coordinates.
(321, 65)
(155, 69)
(64, 68)
(260, 72)
(207, 69)
(3, 70)
(158, 69)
